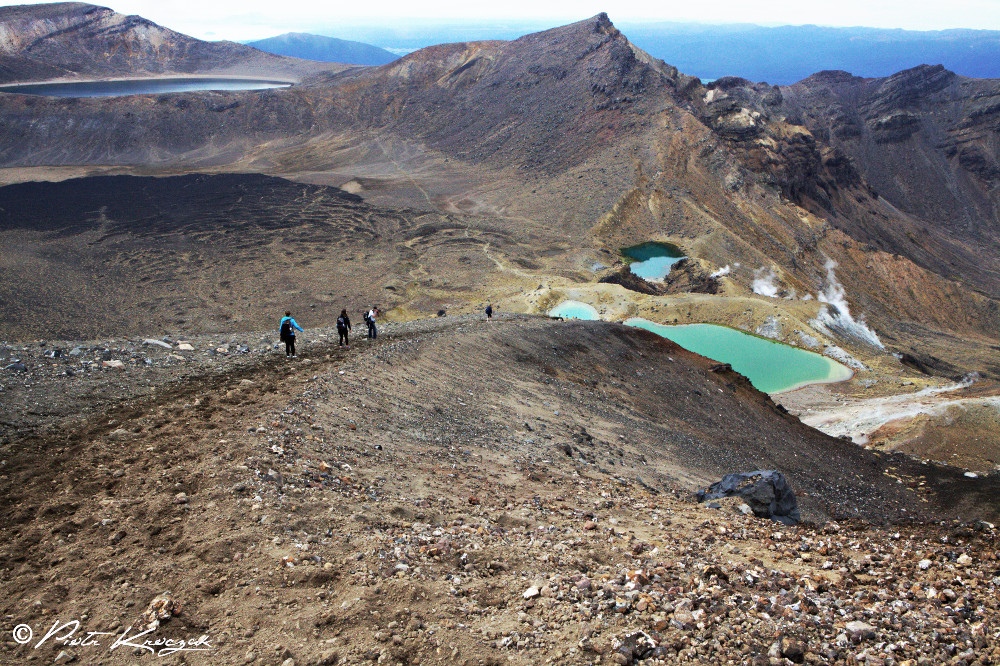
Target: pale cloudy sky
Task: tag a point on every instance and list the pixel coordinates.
(252, 19)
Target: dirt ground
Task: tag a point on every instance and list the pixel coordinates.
(460, 492)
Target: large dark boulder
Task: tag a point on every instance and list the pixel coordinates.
(767, 493)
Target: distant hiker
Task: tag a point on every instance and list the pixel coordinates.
(489, 312)
(343, 328)
(370, 320)
(286, 329)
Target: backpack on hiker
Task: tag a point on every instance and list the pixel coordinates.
(286, 330)
(341, 324)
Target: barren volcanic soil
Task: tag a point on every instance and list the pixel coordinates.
(124, 255)
(463, 492)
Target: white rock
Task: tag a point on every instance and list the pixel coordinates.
(924, 565)
(964, 560)
(972, 475)
(115, 364)
(158, 343)
(531, 592)
(858, 626)
(185, 346)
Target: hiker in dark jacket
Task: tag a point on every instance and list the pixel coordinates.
(286, 330)
(343, 328)
(489, 312)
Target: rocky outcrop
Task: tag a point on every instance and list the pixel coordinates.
(767, 493)
(688, 276)
(925, 140)
(624, 276)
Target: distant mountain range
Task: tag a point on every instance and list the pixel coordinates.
(778, 55)
(786, 54)
(324, 49)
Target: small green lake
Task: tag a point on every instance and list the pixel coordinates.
(653, 261)
(574, 310)
(772, 367)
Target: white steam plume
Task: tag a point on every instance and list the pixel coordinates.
(763, 282)
(834, 316)
(725, 270)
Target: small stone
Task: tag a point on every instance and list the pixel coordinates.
(288, 662)
(181, 498)
(583, 584)
(924, 565)
(114, 364)
(185, 346)
(858, 625)
(964, 560)
(531, 592)
(328, 658)
(590, 525)
(65, 657)
(158, 343)
(793, 650)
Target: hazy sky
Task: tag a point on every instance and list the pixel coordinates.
(252, 19)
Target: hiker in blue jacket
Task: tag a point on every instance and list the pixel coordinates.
(286, 329)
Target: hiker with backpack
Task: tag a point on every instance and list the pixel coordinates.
(286, 331)
(370, 320)
(343, 328)
(489, 312)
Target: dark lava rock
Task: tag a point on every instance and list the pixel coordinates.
(766, 492)
(793, 650)
(626, 278)
(17, 367)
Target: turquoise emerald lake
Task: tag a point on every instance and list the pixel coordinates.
(574, 310)
(652, 261)
(772, 367)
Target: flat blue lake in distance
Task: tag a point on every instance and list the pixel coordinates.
(652, 261)
(772, 367)
(575, 310)
(125, 87)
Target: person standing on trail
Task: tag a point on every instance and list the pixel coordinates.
(370, 320)
(343, 328)
(489, 312)
(286, 330)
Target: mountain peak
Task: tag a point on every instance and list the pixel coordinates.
(603, 23)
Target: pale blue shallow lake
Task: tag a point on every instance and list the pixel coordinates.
(574, 310)
(772, 367)
(652, 261)
(140, 87)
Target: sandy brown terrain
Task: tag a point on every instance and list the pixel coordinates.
(404, 501)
